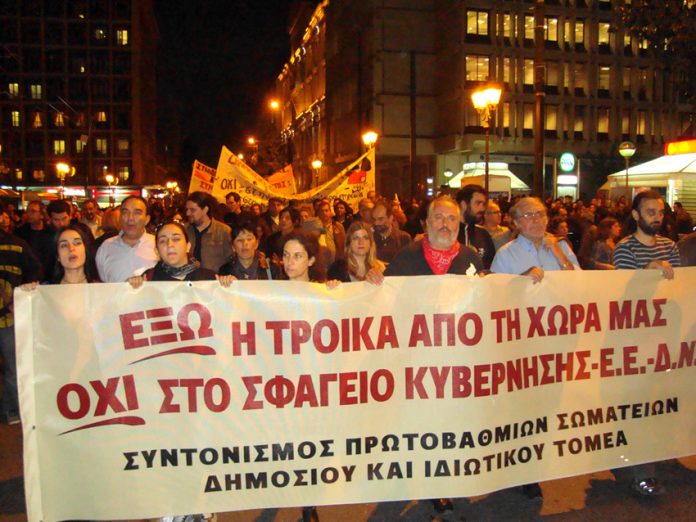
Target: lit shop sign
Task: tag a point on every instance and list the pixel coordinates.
(567, 179)
(680, 147)
(567, 162)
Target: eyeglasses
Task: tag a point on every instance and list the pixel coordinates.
(489, 212)
(539, 214)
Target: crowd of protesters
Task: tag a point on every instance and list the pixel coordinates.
(329, 241)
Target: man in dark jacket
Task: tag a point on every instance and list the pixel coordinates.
(438, 252)
(18, 265)
(472, 200)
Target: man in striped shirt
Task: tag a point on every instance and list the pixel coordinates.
(645, 248)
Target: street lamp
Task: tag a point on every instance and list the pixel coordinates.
(316, 165)
(62, 170)
(370, 139)
(627, 150)
(274, 105)
(172, 187)
(485, 102)
(112, 181)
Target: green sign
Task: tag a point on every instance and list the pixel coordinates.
(567, 162)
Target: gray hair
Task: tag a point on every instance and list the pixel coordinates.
(522, 204)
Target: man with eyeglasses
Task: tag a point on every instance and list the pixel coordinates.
(534, 250)
(492, 217)
(531, 253)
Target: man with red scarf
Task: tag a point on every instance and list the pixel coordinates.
(438, 252)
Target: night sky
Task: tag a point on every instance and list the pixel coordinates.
(217, 63)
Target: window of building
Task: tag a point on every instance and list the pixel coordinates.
(603, 79)
(508, 74)
(79, 146)
(58, 147)
(59, 120)
(37, 121)
(35, 91)
(579, 120)
(643, 79)
(99, 34)
(527, 118)
(122, 37)
(528, 72)
(579, 34)
(506, 118)
(566, 32)
(603, 34)
(15, 118)
(551, 29)
(13, 90)
(38, 174)
(580, 77)
(477, 68)
(528, 27)
(101, 116)
(477, 23)
(552, 74)
(508, 28)
(123, 145)
(643, 44)
(625, 122)
(566, 76)
(100, 144)
(603, 121)
(551, 118)
(627, 42)
(641, 123)
(626, 80)
(123, 173)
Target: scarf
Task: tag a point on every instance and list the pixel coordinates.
(181, 272)
(439, 260)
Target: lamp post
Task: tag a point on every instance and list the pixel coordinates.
(316, 165)
(370, 139)
(627, 150)
(112, 181)
(485, 102)
(62, 170)
(254, 146)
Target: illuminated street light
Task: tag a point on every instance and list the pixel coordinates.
(485, 102)
(448, 173)
(62, 171)
(627, 150)
(274, 105)
(240, 156)
(112, 181)
(370, 139)
(251, 141)
(316, 165)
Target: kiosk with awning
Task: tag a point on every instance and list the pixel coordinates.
(501, 181)
(673, 175)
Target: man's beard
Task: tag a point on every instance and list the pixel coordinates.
(381, 229)
(647, 228)
(472, 218)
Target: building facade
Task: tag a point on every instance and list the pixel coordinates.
(407, 69)
(78, 87)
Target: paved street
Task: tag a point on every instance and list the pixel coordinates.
(598, 496)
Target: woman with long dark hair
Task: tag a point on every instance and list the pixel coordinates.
(75, 257)
(175, 264)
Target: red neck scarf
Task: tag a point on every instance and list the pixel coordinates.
(439, 260)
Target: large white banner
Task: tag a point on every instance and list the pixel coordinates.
(351, 184)
(186, 398)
